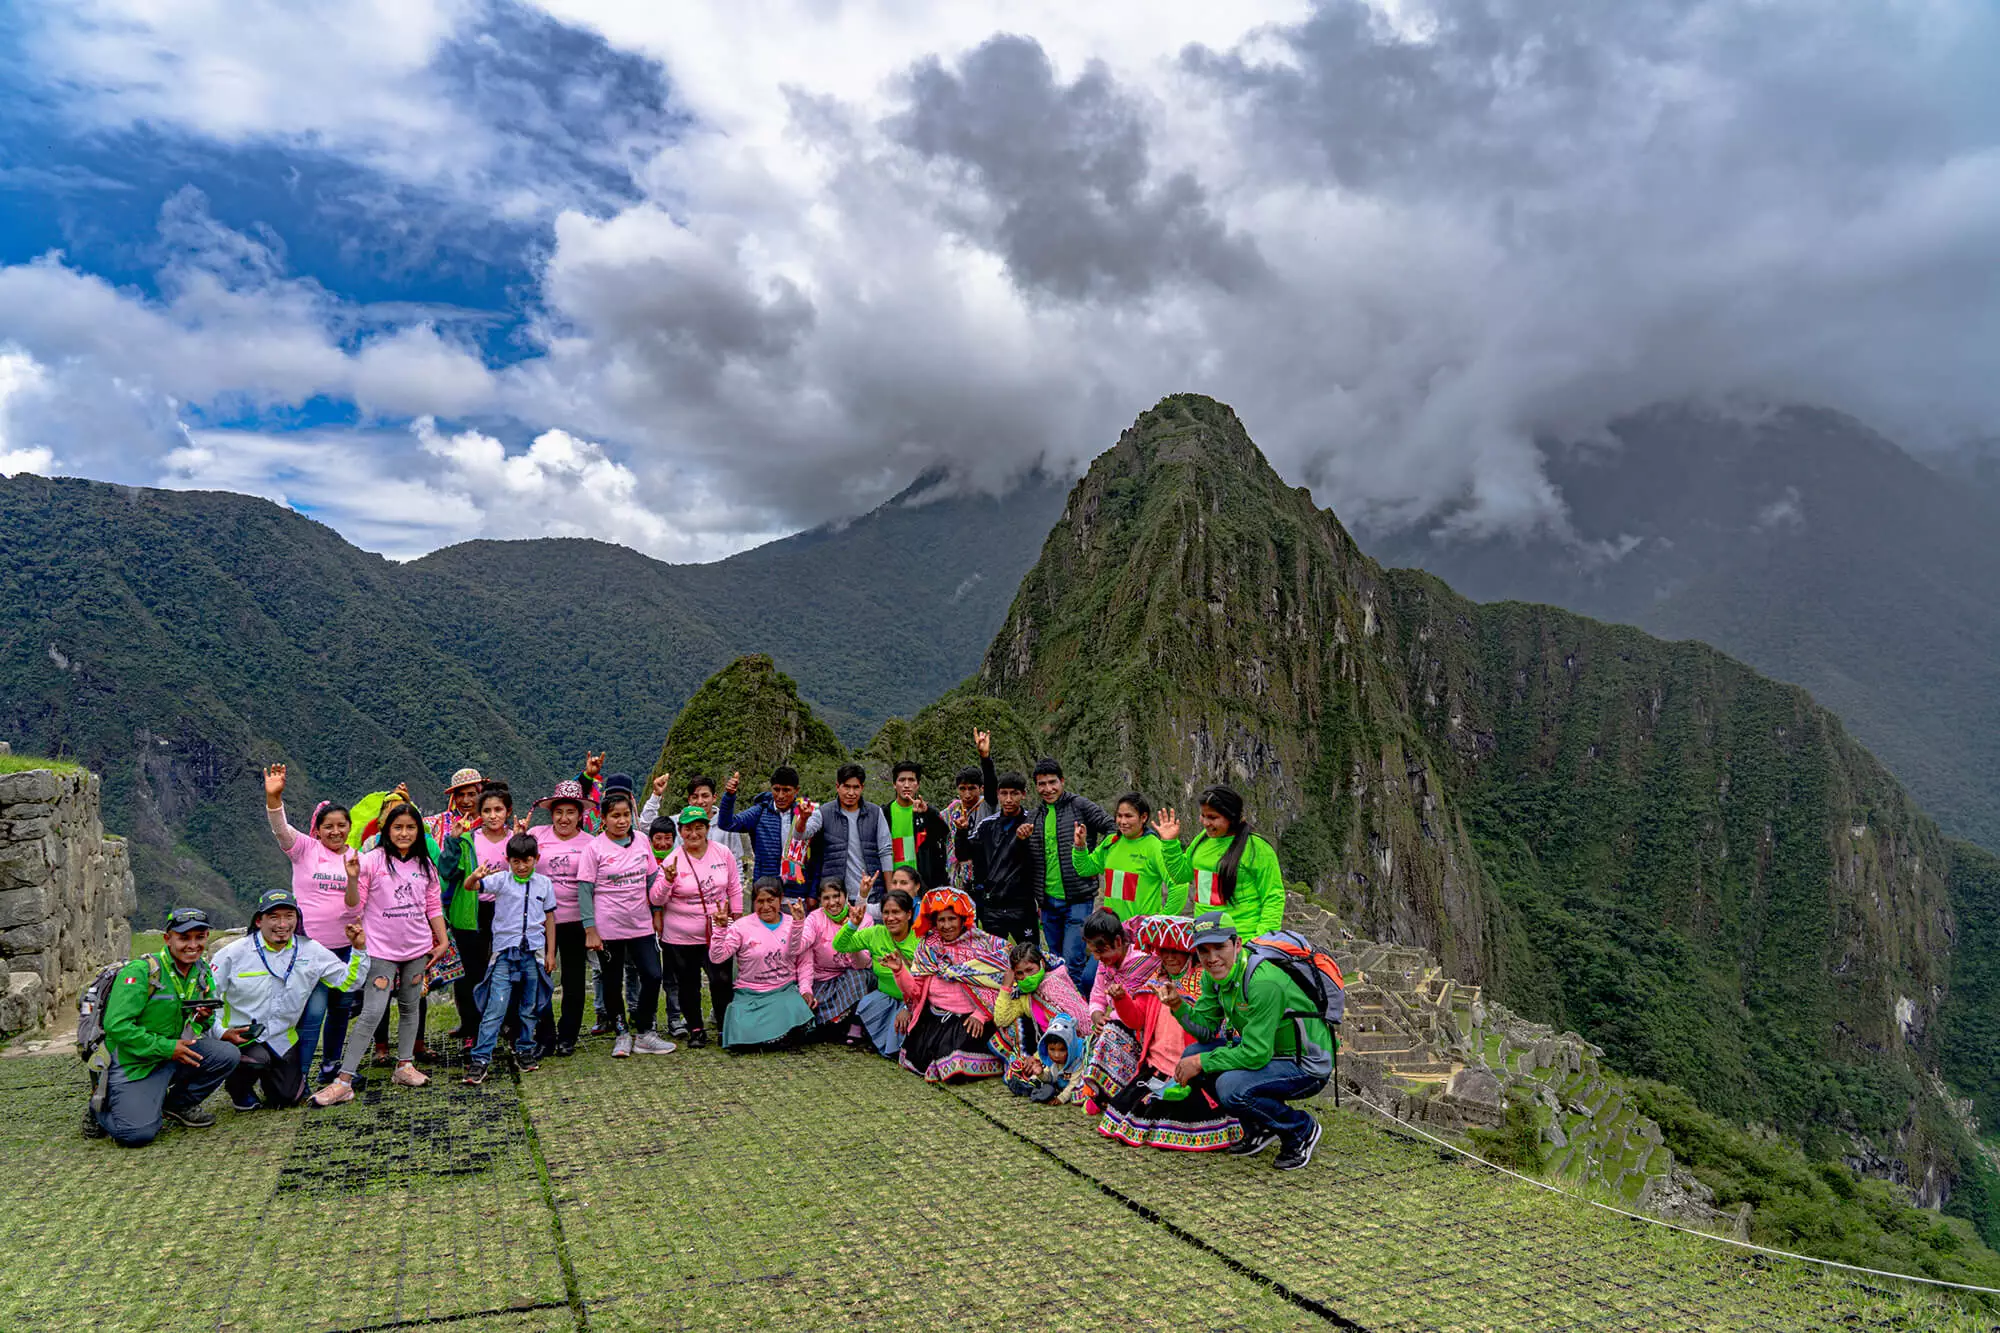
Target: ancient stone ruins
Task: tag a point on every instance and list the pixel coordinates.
(66, 893)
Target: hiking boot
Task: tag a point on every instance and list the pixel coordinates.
(652, 1043)
(475, 1075)
(191, 1116)
(334, 1093)
(247, 1105)
(1292, 1159)
(409, 1076)
(622, 1047)
(93, 1128)
(564, 1049)
(1252, 1143)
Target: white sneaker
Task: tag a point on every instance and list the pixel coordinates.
(622, 1047)
(652, 1043)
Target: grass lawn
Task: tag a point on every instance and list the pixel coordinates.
(818, 1189)
(21, 763)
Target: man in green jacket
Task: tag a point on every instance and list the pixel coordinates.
(1282, 1053)
(161, 1064)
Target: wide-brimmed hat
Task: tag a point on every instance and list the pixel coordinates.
(270, 900)
(569, 789)
(465, 777)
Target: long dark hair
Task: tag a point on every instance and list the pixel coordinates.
(1225, 801)
(420, 850)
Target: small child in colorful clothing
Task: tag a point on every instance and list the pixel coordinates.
(1054, 1074)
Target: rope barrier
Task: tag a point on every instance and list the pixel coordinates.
(1662, 1222)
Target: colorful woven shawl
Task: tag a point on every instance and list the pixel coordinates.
(975, 960)
(792, 866)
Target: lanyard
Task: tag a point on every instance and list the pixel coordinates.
(257, 942)
(174, 977)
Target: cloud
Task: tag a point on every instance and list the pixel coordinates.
(20, 376)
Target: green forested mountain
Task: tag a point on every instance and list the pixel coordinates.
(1692, 864)
(175, 641)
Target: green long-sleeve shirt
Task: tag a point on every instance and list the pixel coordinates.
(1258, 1014)
(879, 944)
(143, 1023)
(1258, 905)
(1134, 874)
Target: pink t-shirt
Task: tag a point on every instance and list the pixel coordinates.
(398, 900)
(812, 941)
(566, 862)
(763, 955)
(698, 885)
(319, 882)
(486, 852)
(628, 881)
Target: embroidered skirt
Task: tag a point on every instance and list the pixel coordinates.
(1195, 1123)
(940, 1048)
(1114, 1062)
(764, 1018)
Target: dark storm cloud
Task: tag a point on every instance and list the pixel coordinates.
(1066, 177)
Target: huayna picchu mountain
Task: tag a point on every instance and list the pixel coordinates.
(1689, 863)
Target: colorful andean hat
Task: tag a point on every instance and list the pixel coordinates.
(1154, 933)
(465, 777)
(943, 900)
(569, 789)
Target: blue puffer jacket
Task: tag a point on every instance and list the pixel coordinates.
(765, 824)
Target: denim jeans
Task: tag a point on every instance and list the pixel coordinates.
(1062, 933)
(330, 1011)
(134, 1107)
(1262, 1098)
(509, 971)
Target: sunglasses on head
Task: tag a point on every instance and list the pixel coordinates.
(183, 919)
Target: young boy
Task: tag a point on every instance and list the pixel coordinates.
(524, 944)
(917, 835)
(965, 813)
(994, 844)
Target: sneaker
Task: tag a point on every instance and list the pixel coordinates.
(603, 1029)
(564, 1049)
(475, 1075)
(1294, 1158)
(334, 1093)
(409, 1076)
(248, 1104)
(92, 1127)
(677, 1028)
(622, 1047)
(696, 1038)
(1252, 1144)
(652, 1043)
(191, 1116)
(328, 1071)
(527, 1064)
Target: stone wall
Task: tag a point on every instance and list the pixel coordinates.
(66, 893)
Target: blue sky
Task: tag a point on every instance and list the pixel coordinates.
(689, 278)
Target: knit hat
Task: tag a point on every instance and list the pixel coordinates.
(465, 777)
(569, 789)
(1154, 933)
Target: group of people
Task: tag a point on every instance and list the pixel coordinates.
(1087, 959)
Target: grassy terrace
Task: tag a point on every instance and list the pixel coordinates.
(814, 1190)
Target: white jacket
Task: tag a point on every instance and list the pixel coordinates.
(272, 987)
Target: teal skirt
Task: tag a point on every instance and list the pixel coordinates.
(764, 1018)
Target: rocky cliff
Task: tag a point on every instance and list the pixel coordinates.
(66, 893)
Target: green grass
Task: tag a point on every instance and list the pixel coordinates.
(819, 1189)
(22, 763)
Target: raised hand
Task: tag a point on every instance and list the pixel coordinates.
(984, 740)
(1077, 839)
(274, 785)
(521, 824)
(593, 765)
(964, 818)
(798, 909)
(1115, 991)
(735, 781)
(920, 805)
(402, 792)
(660, 785)
(1168, 825)
(867, 883)
(352, 861)
(722, 918)
(356, 937)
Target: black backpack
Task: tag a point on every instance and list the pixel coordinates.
(90, 1005)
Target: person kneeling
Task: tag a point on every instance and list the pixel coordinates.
(521, 966)
(162, 1065)
(1282, 1052)
(266, 980)
(952, 982)
(771, 1006)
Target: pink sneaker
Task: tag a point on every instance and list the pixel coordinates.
(409, 1076)
(334, 1093)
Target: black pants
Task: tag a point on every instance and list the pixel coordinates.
(1011, 926)
(475, 949)
(575, 980)
(644, 953)
(382, 1028)
(279, 1080)
(689, 961)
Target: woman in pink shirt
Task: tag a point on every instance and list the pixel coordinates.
(838, 980)
(621, 916)
(771, 1006)
(952, 984)
(319, 882)
(702, 875)
(568, 859)
(402, 924)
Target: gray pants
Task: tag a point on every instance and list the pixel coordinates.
(135, 1107)
(407, 981)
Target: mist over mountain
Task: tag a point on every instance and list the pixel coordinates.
(1797, 540)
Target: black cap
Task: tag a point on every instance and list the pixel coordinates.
(619, 782)
(181, 920)
(272, 899)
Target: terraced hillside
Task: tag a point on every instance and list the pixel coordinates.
(703, 1192)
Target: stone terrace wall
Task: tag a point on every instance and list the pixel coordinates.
(66, 893)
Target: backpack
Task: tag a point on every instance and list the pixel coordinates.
(90, 1005)
(1314, 971)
